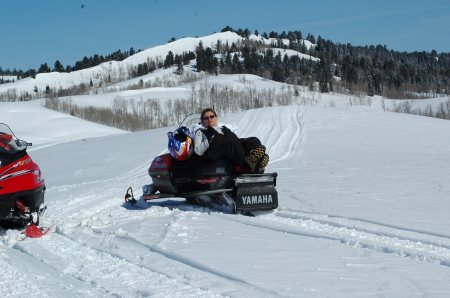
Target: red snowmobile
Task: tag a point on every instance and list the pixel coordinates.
(21, 184)
(213, 184)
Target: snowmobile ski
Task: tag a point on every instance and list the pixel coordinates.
(33, 231)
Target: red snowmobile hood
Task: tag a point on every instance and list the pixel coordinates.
(20, 175)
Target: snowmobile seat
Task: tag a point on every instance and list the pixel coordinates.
(198, 167)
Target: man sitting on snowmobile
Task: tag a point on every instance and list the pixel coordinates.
(219, 173)
(214, 142)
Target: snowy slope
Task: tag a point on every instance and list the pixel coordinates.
(44, 127)
(235, 82)
(115, 68)
(363, 213)
(119, 70)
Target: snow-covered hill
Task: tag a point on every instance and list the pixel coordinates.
(120, 69)
(44, 127)
(363, 211)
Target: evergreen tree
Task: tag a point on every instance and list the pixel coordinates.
(58, 66)
(200, 55)
(311, 38)
(169, 60)
(278, 74)
(227, 28)
(44, 68)
(236, 64)
(324, 76)
(227, 68)
(96, 60)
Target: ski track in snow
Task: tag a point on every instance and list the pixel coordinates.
(105, 273)
(88, 202)
(357, 233)
(99, 263)
(278, 143)
(91, 236)
(40, 278)
(106, 259)
(276, 133)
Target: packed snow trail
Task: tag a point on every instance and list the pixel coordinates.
(108, 274)
(281, 138)
(421, 246)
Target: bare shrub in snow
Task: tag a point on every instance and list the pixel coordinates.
(360, 100)
(442, 111)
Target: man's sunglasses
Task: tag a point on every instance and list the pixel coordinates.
(208, 117)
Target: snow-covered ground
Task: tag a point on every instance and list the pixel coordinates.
(8, 78)
(44, 127)
(363, 211)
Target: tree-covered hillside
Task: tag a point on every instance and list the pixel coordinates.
(374, 70)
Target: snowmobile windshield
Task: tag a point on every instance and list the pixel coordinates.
(8, 141)
(190, 120)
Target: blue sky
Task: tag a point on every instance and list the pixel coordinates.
(38, 31)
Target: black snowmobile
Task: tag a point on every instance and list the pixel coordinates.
(212, 184)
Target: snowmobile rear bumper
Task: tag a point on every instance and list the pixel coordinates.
(250, 192)
(155, 196)
(256, 192)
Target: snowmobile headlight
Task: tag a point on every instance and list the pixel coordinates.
(37, 173)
